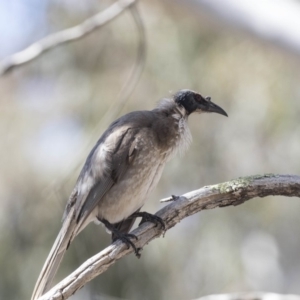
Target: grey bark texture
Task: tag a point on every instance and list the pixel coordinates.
(233, 192)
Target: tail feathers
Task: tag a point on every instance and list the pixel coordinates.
(54, 258)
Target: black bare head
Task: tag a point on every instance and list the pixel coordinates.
(194, 102)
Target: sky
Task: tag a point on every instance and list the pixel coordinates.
(21, 21)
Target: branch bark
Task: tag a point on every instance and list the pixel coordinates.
(233, 192)
(65, 36)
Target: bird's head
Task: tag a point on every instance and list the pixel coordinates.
(194, 102)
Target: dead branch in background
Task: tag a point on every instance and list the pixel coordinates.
(65, 36)
(233, 192)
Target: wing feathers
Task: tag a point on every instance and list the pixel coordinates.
(119, 153)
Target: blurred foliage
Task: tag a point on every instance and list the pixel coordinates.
(51, 115)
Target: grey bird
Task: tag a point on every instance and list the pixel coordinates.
(121, 170)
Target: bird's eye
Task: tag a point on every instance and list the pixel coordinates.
(199, 98)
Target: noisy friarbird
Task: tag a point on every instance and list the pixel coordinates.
(121, 170)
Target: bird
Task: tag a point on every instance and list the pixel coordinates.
(121, 170)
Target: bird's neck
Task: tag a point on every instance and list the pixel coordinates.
(179, 112)
(171, 108)
(176, 117)
(184, 137)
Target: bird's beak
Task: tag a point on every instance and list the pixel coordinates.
(212, 107)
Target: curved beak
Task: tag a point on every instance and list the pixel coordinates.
(216, 109)
(212, 107)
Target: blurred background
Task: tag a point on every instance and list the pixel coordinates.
(244, 54)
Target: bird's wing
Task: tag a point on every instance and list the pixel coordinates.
(105, 166)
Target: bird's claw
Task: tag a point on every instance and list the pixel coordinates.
(125, 238)
(146, 217)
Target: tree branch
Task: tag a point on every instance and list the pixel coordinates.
(233, 192)
(65, 36)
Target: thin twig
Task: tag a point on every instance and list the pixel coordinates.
(234, 192)
(136, 72)
(65, 36)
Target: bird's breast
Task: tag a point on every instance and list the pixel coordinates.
(143, 173)
(133, 189)
(178, 136)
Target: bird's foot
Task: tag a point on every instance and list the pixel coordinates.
(174, 197)
(146, 217)
(124, 237)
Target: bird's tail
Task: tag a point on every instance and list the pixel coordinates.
(55, 257)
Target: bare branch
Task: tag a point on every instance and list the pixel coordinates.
(65, 36)
(233, 192)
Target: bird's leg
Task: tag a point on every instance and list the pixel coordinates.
(146, 217)
(174, 197)
(124, 237)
